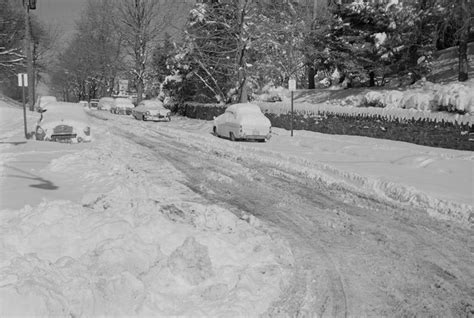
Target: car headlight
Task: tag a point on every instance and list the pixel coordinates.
(147, 113)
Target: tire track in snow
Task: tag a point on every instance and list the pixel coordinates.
(298, 300)
(386, 240)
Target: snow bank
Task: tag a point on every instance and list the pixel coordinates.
(135, 245)
(422, 100)
(426, 96)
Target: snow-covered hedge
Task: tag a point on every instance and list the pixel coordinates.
(455, 97)
(453, 102)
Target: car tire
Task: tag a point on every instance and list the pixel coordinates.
(143, 118)
(214, 130)
(169, 118)
(231, 136)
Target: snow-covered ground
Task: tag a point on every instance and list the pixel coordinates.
(438, 180)
(108, 228)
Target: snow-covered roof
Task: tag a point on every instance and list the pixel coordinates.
(244, 108)
(63, 110)
(106, 99)
(152, 103)
(123, 100)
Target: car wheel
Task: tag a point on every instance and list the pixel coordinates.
(231, 136)
(79, 139)
(143, 118)
(169, 118)
(214, 130)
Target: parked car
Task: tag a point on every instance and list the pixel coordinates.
(43, 100)
(94, 104)
(84, 103)
(122, 106)
(105, 103)
(151, 110)
(63, 122)
(243, 121)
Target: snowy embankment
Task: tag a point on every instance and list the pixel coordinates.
(136, 241)
(423, 100)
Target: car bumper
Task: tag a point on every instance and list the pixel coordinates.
(157, 117)
(256, 137)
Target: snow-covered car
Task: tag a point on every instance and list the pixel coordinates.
(94, 104)
(43, 100)
(122, 106)
(151, 110)
(105, 103)
(84, 103)
(244, 122)
(63, 122)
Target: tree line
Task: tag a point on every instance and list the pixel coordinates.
(224, 51)
(231, 48)
(12, 46)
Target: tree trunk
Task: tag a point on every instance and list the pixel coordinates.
(371, 79)
(311, 72)
(463, 39)
(244, 98)
(139, 91)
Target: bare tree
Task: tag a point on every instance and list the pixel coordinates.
(11, 36)
(142, 23)
(90, 63)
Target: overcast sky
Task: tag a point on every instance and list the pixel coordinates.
(65, 13)
(62, 13)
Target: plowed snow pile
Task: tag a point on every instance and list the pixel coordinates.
(136, 244)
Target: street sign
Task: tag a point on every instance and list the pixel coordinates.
(292, 85)
(22, 79)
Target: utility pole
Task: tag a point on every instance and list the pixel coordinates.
(29, 4)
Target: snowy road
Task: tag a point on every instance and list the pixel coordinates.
(356, 254)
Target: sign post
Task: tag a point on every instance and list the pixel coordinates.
(292, 88)
(23, 82)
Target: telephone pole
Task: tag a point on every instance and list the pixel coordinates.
(29, 4)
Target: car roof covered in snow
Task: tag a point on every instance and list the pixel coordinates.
(152, 103)
(123, 100)
(244, 108)
(63, 110)
(106, 99)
